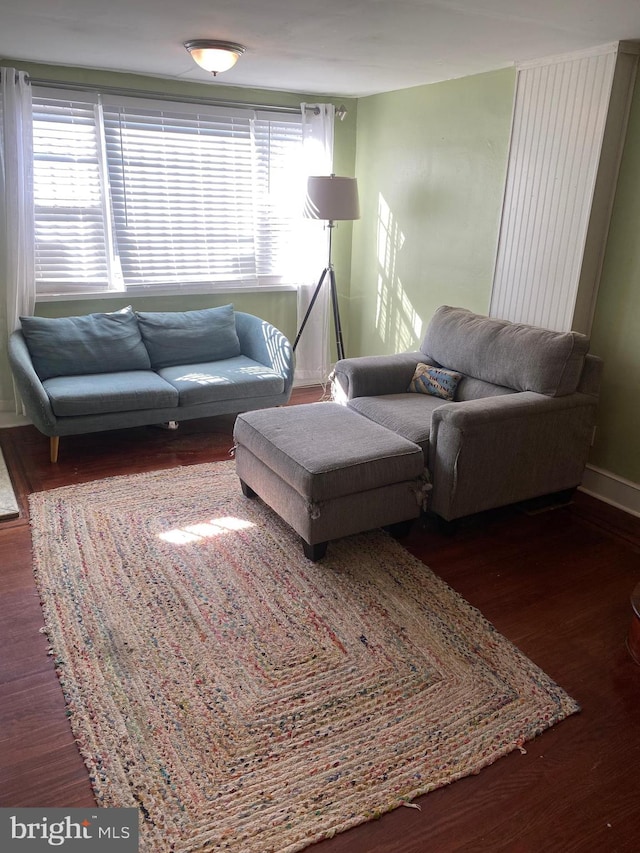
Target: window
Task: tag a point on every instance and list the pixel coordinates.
(71, 234)
(133, 194)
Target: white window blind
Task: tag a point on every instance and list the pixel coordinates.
(166, 195)
(71, 219)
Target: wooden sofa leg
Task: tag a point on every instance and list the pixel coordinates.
(399, 529)
(447, 528)
(54, 444)
(247, 491)
(314, 552)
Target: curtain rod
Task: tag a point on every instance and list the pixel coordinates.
(142, 93)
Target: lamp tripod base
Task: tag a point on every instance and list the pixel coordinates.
(328, 271)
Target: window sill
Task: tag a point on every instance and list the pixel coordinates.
(159, 292)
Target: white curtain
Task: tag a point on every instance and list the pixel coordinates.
(16, 200)
(16, 195)
(312, 352)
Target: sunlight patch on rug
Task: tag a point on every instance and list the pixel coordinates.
(203, 530)
(247, 699)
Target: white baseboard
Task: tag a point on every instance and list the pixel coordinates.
(8, 416)
(614, 490)
(11, 419)
(8, 503)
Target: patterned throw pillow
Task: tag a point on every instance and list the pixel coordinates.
(435, 381)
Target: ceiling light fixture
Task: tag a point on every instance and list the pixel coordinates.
(214, 56)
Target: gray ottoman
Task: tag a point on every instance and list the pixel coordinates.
(327, 471)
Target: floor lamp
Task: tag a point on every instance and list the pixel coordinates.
(330, 198)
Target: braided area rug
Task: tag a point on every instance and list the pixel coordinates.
(246, 699)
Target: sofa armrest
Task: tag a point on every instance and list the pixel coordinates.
(262, 342)
(591, 375)
(32, 393)
(374, 375)
(500, 450)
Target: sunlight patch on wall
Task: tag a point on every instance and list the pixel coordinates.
(397, 321)
(204, 530)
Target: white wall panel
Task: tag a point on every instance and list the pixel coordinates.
(560, 116)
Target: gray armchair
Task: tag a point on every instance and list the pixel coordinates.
(520, 423)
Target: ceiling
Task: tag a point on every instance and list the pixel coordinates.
(332, 47)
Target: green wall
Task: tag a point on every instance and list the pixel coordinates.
(615, 335)
(431, 163)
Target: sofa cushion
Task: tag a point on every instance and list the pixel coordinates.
(436, 381)
(348, 454)
(189, 337)
(99, 393)
(470, 388)
(93, 343)
(515, 355)
(408, 415)
(227, 379)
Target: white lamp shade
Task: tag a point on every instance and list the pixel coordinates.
(330, 197)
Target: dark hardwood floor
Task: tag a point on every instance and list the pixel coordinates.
(556, 582)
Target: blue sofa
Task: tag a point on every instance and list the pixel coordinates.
(129, 368)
